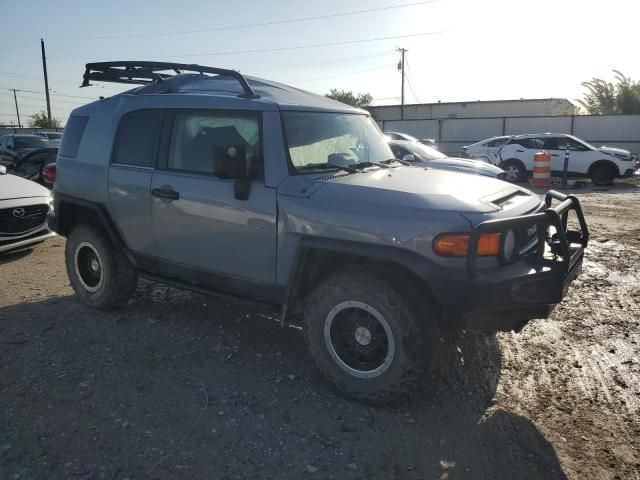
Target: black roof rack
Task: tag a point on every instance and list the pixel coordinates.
(151, 72)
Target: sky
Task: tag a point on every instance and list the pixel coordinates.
(458, 50)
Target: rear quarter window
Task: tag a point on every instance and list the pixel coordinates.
(72, 136)
(137, 138)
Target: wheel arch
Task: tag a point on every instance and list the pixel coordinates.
(317, 258)
(70, 211)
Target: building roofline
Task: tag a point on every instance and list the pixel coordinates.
(520, 100)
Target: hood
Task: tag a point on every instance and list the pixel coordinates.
(466, 165)
(616, 152)
(12, 187)
(425, 188)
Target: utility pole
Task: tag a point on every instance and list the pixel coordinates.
(401, 68)
(46, 80)
(15, 99)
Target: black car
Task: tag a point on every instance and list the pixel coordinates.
(14, 146)
(32, 164)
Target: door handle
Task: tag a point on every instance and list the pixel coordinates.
(519, 151)
(555, 155)
(166, 193)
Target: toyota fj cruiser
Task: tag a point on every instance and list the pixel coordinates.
(208, 180)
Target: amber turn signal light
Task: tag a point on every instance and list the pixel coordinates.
(457, 244)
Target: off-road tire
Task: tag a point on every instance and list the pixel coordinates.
(119, 277)
(522, 172)
(410, 318)
(602, 175)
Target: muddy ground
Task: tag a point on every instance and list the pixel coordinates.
(179, 386)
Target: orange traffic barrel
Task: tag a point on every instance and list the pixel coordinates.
(542, 169)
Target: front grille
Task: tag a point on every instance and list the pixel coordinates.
(12, 222)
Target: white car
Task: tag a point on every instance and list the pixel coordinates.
(24, 206)
(423, 155)
(485, 150)
(54, 138)
(601, 165)
(431, 142)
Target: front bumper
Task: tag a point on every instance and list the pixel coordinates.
(629, 172)
(8, 244)
(507, 297)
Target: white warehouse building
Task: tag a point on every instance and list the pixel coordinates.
(539, 107)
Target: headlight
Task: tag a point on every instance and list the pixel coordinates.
(509, 245)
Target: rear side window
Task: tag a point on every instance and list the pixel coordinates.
(72, 136)
(531, 143)
(137, 139)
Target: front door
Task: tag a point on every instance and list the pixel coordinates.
(579, 158)
(200, 227)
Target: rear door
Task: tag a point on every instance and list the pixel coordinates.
(199, 225)
(132, 163)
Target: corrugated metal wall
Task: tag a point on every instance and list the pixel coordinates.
(622, 131)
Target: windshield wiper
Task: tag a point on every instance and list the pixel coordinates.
(391, 160)
(371, 164)
(324, 166)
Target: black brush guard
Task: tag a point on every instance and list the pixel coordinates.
(564, 256)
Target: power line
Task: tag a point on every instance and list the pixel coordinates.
(344, 74)
(249, 25)
(34, 77)
(386, 53)
(279, 49)
(409, 77)
(42, 93)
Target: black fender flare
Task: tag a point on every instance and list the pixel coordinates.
(61, 223)
(409, 260)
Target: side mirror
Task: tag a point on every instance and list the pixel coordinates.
(10, 147)
(231, 163)
(409, 157)
(3, 170)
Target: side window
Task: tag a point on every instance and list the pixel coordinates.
(532, 143)
(571, 144)
(137, 139)
(551, 143)
(72, 136)
(197, 137)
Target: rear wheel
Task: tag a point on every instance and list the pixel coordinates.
(368, 335)
(515, 171)
(100, 273)
(602, 175)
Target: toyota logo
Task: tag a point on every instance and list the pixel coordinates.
(18, 212)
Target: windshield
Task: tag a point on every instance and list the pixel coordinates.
(426, 152)
(30, 141)
(54, 136)
(317, 140)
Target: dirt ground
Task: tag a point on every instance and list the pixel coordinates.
(179, 386)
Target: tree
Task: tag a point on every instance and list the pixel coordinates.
(40, 120)
(359, 100)
(604, 98)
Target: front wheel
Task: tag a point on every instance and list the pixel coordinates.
(99, 272)
(602, 175)
(368, 335)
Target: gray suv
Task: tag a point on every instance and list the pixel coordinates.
(240, 187)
